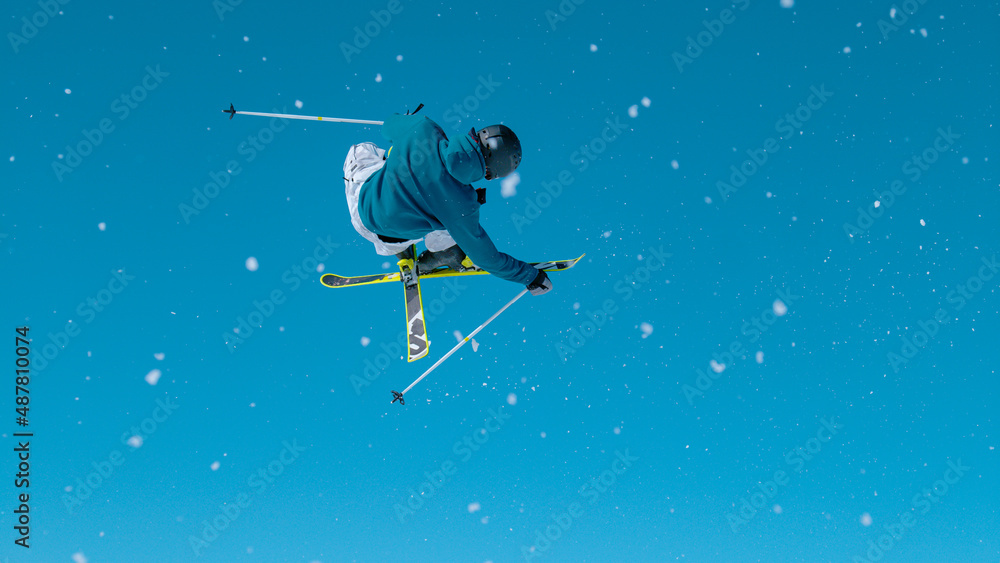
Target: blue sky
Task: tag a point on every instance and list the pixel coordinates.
(754, 362)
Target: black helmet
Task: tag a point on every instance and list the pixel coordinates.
(501, 149)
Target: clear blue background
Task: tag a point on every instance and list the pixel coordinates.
(291, 379)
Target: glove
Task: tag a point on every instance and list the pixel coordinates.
(541, 284)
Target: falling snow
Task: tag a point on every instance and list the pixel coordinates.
(508, 185)
(153, 377)
(779, 307)
(647, 329)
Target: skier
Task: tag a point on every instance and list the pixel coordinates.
(421, 189)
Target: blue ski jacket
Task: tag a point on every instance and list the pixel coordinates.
(425, 186)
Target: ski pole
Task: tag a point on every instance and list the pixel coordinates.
(232, 112)
(399, 396)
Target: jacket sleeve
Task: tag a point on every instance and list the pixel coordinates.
(396, 126)
(472, 238)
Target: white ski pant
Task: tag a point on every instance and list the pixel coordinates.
(362, 161)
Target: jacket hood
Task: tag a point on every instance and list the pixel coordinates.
(463, 158)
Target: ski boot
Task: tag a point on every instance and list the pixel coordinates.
(451, 257)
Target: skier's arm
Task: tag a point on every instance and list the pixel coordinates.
(396, 126)
(473, 240)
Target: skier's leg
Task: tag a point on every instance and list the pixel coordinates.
(441, 251)
(362, 161)
(438, 240)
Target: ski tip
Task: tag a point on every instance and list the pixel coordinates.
(576, 261)
(397, 396)
(419, 355)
